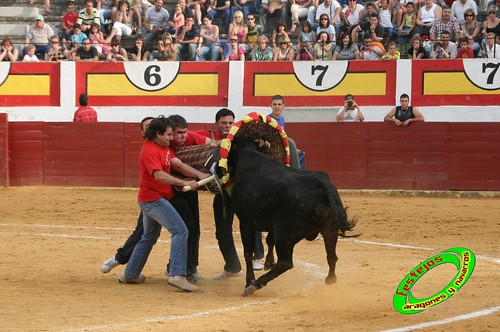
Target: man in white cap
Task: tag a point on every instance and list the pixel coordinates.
(39, 35)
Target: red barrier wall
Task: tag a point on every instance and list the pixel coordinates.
(423, 156)
(4, 150)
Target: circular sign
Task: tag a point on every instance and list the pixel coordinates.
(151, 76)
(483, 73)
(320, 75)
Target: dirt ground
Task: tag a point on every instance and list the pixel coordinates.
(53, 241)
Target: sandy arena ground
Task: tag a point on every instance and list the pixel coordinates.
(53, 241)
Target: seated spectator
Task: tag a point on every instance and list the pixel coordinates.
(371, 50)
(347, 50)
(385, 14)
(492, 49)
(245, 6)
(46, 7)
(7, 50)
(494, 3)
(117, 52)
(272, 8)
(263, 52)
(167, 48)
(30, 55)
(122, 20)
(448, 47)
(471, 30)
(88, 16)
(221, 8)
(77, 38)
(393, 53)
(306, 35)
(187, 40)
(136, 13)
(408, 23)
(330, 7)
(155, 22)
(236, 51)
(491, 24)
(324, 25)
(106, 9)
(416, 50)
(304, 54)
(445, 23)
(464, 51)
(374, 29)
(299, 9)
(179, 19)
(351, 17)
(139, 51)
(323, 49)
(86, 52)
(350, 112)
(254, 31)
(279, 34)
(239, 29)
(364, 22)
(67, 22)
(439, 52)
(85, 113)
(426, 15)
(209, 47)
(39, 35)
(198, 7)
(97, 39)
(459, 7)
(186, 11)
(405, 114)
(56, 52)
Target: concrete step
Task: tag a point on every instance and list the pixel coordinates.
(19, 11)
(13, 29)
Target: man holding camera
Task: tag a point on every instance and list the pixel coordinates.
(351, 111)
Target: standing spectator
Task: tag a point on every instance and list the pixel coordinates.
(448, 46)
(459, 7)
(323, 49)
(426, 15)
(67, 22)
(155, 22)
(263, 52)
(347, 50)
(472, 30)
(254, 32)
(404, 114)
(88, 15)
(465, 51)
(371, 50)
(416, 50)
(167, 48)
(85, 113)
(220, 8)
(245, 6)
(86, 52)
(30, 55)
(446, 22)
(351, 111)
(299, 9)
(189, 35)
(208, 47)
(272, 8)
(492, 49)
(122, 19)
(7, 50)
(117, 52)
(284, 52)
(139, 51)
(39, 35)
(56, 52)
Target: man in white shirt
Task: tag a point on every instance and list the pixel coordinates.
(460, 6)
(492, 49)
(155, 21)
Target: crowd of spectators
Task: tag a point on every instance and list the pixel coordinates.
(227, 30)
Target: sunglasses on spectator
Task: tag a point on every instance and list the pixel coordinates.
(324, 18)
(469, 15)
(251, 18)
(54, 42)
(234, 40)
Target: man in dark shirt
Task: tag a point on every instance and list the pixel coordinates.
(187, 39)
(86, 52)
(404, 114)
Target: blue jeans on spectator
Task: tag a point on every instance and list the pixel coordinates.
(105, 16)
(225, 14)
(281, 13)
(156, 214)
(388, 32)
(187, 48)
(210, 51)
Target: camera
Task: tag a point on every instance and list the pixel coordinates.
(303, 50)
(350, 103)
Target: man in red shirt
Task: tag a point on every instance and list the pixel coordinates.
(85, 113)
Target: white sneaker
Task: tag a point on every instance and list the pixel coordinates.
(182, 283)
(258, 264)
(109, 265)
(224, 275)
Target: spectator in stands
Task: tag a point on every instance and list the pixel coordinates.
(117, 53)
(333, 9)
(86, 52)
(350, 112)
(491, 24)
(208, 46)
(272, 8)
(416, 50)
(471, 30)
(77, 38)
(385, 16)
(325, 25)
(30, 55)
(299, 9)
(221, 8)
(135, 8)
(408, 23)
(393, 53)
(239, 29)
(186, 11)
(351, 16)
(364, 23)
(371, 50)
(459, 7)
(323, 49)
(494, 3)
(236, 51)
(254, 31)
(374, 29)
(198, 8)
(448, 46)
(426, 15)
(46, 6)
(106, 9)
(439, 52)
(492, 49)
(284, 52)
(85, 113)
(97, 39)
(179, 19)
(263, 52)
(122, 19)
(303, 53)
(167, 48)
(245, 6)
(307, 35)
(405, 114)
(56, 52)
(7, 50)
(39, 35)
(446, 22)
(279, 34)
(139, 51)
(155, 22)
(188, 38)
(67, 22)
(464, 51)
(88, 16)
(347, 50)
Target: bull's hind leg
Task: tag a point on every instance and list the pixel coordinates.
(248, 238)
(269, 263)
(331, 256)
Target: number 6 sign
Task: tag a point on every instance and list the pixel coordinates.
(151, 76)
(320, 75)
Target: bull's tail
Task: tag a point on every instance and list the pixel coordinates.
(339, 222)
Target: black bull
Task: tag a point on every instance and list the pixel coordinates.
(288, 203)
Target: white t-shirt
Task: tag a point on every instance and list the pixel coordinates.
(349, 115)
(32, 58)
(330, 11)
(353, 17)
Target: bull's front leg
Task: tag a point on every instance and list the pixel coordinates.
(331, 255)
(248, 240)
(269, 263)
